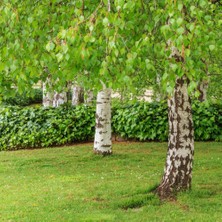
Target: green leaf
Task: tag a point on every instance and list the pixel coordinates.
(105, 21)
(179, 21)
(50, 46)
(180, 30)
(59, 57)
(180, 6)
(211, 47)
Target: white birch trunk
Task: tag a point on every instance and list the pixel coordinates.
(157, 96)
(77, 95)
(47, 100)
(59, 99)
(178, 170)
(103, 140)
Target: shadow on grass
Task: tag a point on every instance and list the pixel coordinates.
(139, 199)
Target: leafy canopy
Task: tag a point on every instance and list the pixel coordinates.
(83, 40)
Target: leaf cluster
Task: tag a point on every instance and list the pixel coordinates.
(25, 99)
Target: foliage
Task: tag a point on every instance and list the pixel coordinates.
(142, 121)
(25, 99)
(186, 40)
(148, 121)
(77, 40)
(42, 127)
(207, 120)
(72, 184)
(130, 44)
(214, 91)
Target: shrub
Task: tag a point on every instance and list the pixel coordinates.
(43, 127)
(142, 121)
(207, 121)
(149, 121)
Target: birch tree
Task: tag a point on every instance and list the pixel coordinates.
(89, 97)
(77, 95)
(136, 38)
(59, 98)
(47, 92)
(103, 137)
(182, 28)
(111, 65)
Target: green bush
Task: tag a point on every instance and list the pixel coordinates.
(141, 121)
(25, 99)
(207, 120)
(43, 127)
(149, 121)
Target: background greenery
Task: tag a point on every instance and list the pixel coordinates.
(28, 127)
(25, 99)
(72, 184)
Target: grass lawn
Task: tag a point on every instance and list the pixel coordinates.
(73, 184)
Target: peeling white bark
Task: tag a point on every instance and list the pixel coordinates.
(103, 140)
(178, 169)
(77, 95)
(59, 99)
(47, 94)
(157, 95)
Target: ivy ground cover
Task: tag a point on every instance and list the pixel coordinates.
(73, 184)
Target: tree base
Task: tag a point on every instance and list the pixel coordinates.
(102, 153)
(167, 192)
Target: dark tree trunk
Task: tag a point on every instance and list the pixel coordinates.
(178, 170)
(202, 87)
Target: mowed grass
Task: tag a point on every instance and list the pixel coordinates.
(73, 184)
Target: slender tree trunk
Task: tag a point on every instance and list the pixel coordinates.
(202, 87)
(157, 96)
(47, 94)
(178, 170)
(103, 140)
(77, 95)
(89, 97)
(59, 99)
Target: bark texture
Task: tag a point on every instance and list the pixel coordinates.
(178, 169)
(202, 87)
(103, 137)
(59, 99)
(47, 94)
(89, 97)
(77, 95)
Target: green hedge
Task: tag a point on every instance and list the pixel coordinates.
(42, 127)
(142, 121)
(207, 121)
